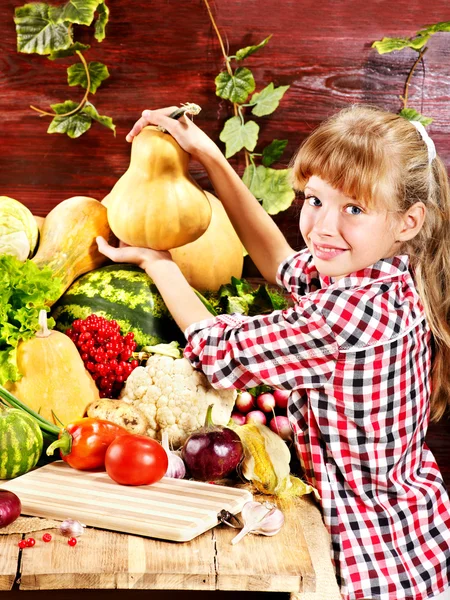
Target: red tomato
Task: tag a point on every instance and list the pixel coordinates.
(135, 460)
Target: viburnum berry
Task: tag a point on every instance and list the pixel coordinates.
(30, 542)
(106, 353)
(72, 541)
(22, 544)
(47, 537)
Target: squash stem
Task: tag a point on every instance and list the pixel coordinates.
(44, 331)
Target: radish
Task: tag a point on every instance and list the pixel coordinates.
(266, 402)
(245, 402)
(281, 398)
(238, 418)
(281, 426)
(256, 416)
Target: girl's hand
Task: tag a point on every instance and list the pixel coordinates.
(143, 257)
(190, 137)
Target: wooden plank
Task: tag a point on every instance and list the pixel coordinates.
(171, 509)
(9, 557)
(108, 560)
(278, 563)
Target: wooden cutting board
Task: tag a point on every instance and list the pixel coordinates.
(172, 509)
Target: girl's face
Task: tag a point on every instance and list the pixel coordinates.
(342, 235)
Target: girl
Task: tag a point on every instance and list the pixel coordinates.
(366, 347)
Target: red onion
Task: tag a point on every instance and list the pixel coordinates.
(212, 452)
(10, 507)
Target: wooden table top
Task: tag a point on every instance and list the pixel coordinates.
(108, 560)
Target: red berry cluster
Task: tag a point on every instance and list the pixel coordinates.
(105, 352)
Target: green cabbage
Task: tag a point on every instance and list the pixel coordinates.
(18, 229)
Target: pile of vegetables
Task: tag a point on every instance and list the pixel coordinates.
(101, 379)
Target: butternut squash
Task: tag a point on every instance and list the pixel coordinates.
(156, 203)
(55, 382)
(67, 241)
(214, 257)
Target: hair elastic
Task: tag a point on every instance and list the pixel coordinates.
(426, 138)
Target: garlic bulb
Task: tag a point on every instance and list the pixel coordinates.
(71, 528)
(260, 518)
(176, 468)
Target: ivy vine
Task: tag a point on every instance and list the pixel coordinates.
(272, 187)
(48, 30)
(418, 42)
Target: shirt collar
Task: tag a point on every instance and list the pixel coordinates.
(386, 268)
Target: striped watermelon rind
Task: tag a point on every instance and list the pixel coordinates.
(122, 292)
(21, 443)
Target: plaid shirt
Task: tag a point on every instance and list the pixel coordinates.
(356, 355)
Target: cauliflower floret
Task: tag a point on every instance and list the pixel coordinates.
(174, 397)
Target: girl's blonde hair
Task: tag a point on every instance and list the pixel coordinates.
(381, 159)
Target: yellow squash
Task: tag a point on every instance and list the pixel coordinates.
(67, 239)
(55, 382)
(156, 203)
(214, 257)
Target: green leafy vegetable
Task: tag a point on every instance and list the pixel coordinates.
(24, 291)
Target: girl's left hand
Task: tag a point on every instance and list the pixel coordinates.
(143, 257)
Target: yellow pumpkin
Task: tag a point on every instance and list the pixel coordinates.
(67, 240)
(214, 257)
(156, 203)
(54, 376)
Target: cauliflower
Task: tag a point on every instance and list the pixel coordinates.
(174, 397)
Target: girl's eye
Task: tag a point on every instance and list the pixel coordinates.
(313, 201)
(353, 210)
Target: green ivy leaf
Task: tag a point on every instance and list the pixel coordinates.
(244, 52)
(101, 22)
(236, 136)
(237, 87)
(37, 32)
(273, 152)
(90, 110)
(413, 115)
(74, 125)
(271, 186)
(78, 123)
(436, 28)
(68, 51)
(391, 44)
(98, 72)
(266, 101)
(77, 11)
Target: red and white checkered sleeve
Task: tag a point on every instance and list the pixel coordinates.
(297, 273)
(289, 349)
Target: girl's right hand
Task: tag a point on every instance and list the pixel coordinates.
(190, 137)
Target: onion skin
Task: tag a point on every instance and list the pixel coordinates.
(10, 507)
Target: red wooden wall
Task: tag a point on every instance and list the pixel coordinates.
(162, 52)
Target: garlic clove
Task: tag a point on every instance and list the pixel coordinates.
(260, 518)
(71, 528)
(176, 468)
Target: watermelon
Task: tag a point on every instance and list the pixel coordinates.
(21, 442)
(122, 292)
